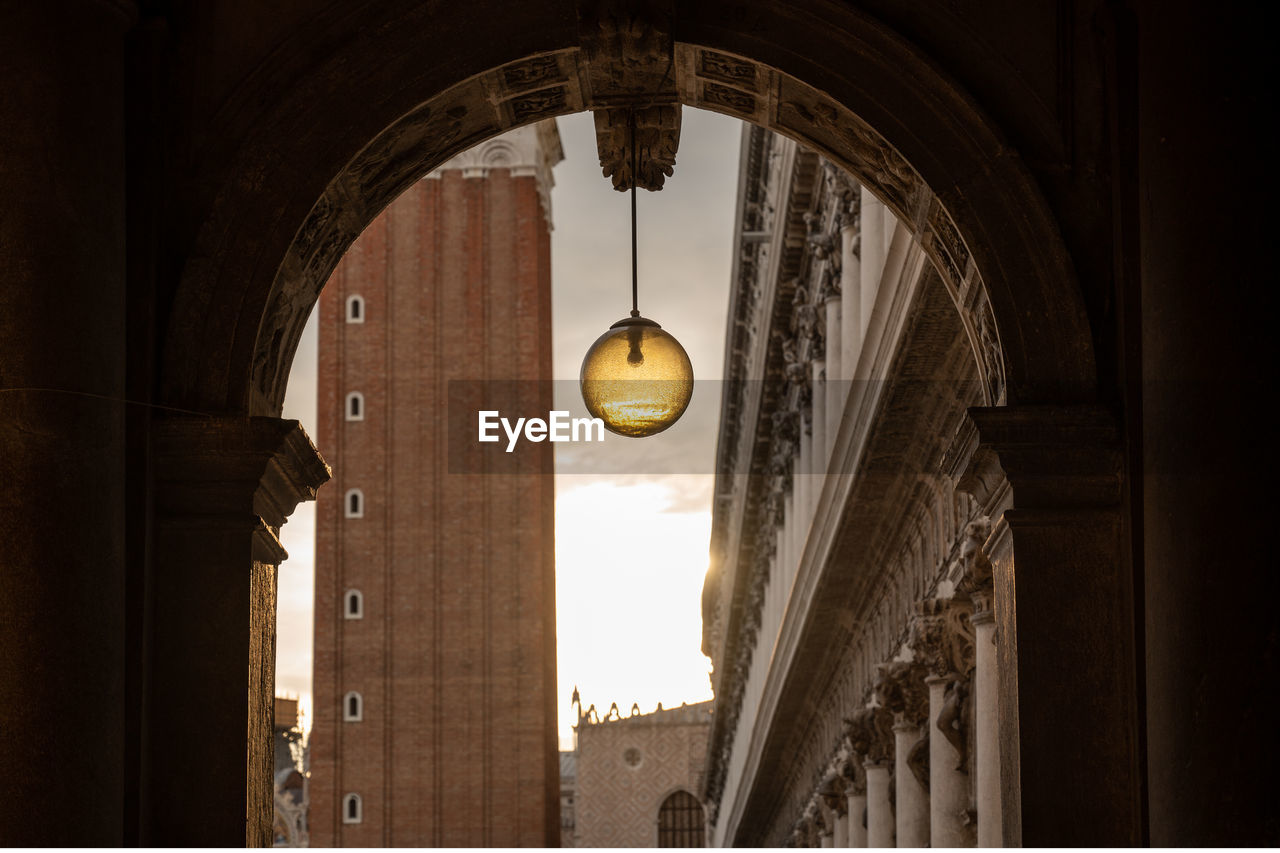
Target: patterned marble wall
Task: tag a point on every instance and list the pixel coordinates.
(627, 766)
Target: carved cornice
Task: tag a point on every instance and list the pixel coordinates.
(1052, 456)
(246, 473)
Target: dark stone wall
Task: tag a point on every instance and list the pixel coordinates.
(1208, 460)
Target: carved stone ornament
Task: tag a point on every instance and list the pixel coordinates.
(855, 778)
(976, 580)
(628, 81)
(942, 637)
(870, 733)
(833, 794)
(657, 136)
(902, 690)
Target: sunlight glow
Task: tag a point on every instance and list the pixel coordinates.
(629, 572)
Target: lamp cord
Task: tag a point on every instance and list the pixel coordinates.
(635, 179)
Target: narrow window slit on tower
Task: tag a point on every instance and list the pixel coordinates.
(355, 309)
(355, 504)
(355, 406)
(351, 809)
(353, 707)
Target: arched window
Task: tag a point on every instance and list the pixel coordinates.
(352, 809)
(354, 608)
(355, 309)
(353, 504)
(680, 821)
(353, 708)
(355, 406)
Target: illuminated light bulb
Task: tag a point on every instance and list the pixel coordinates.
(636, 378)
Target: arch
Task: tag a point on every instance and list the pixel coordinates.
(353, 410)
(829, 76)
(353, 604)
(352, 707)
(353, 504)
(352, 809)
(681, 821)
(355, 308)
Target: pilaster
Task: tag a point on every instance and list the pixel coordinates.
(224, 487)
(1051, 476)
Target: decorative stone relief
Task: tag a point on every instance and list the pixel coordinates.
(833, 792)
(870, 734)
(976, 577)
(628, 80)
(656, 135)
(943, 640)
(902, 690)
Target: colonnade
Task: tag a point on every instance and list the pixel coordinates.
(918, 765)
(828, 347)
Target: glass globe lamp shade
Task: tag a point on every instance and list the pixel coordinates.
(636, 378)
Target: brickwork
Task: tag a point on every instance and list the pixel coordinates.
(454, 655)
(627, 767)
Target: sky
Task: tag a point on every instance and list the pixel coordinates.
(629, 626)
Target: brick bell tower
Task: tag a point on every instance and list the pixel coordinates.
(435, 657)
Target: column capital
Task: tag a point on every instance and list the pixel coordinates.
(215, 468)
(942, 637)
(832, 791)
(1049, 456)
(870, 733)
(902, 690)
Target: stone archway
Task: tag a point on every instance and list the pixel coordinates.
(837, 81)
(318, 160)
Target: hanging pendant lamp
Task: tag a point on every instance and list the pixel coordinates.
(636, 377)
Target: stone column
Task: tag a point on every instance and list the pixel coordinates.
(902, 691)
(913, 797)
(986, 727)
(850, 301)
(1065, 621)
(224, 486)
(803, 487)
(942, 639)
(836, 387)
(872, 243)
(65, 751)
(836, 809)
(856, 803)
(822, 437)
(948, 784)
(880, 823)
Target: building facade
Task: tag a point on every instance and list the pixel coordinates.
(289, 781)
(638, 777)
(434, 684)
(848, 610)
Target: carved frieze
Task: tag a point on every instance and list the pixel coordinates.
(806, 112)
